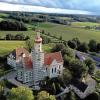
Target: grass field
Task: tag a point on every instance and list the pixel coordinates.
(68, 32)
(8, 46)
(85, 24)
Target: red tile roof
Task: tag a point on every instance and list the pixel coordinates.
(48, 58)
(20, 51)
(27, 62)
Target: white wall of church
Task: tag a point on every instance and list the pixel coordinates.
(11, 62)
(25, 75)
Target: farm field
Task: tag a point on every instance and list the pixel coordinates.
(8, 46)
(85, 24)
(69, 32)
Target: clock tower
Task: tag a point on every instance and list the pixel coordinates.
(38, 60)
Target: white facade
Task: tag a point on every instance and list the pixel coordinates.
(11, 62)
(25, 75)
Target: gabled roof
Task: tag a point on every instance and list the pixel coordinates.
(19, 52)
(27, 62)
(48, 58)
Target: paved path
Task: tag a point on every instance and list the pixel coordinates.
(91, 87)
(7, 74)
(11, 78)
(66, 90)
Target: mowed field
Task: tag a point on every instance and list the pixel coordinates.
(8, 46)
(85, 24)
(69, 32)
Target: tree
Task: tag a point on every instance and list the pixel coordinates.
(19, 37)
(28, 44)
(98, 47)
(67, 60)
(20, 93)
(83, 47)
(70, 96)
(91, 65)
(93, 96)
(67, 76)
(64, 50)
(9, 37)
(1, 90)
(77, 41)
(43, 95)
(78, 69)
(60, 38)
(92, 45)
(27, 37)
(72, 44)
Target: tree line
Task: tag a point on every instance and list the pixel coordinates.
(10, 25)
(15, 37)
(92, 46)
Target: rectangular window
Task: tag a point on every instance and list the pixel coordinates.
(55, 70)
(59, 66)
(46, 69)
(52, 70)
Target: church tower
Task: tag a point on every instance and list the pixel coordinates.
(38, 60)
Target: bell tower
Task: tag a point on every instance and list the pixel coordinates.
(38, 60)
(38, 43)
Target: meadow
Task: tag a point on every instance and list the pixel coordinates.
(85, 24)
(8, 46)
(69, 32)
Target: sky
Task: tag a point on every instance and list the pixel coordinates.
(89, 7)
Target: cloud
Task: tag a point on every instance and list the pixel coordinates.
(85, 5)
(30, 8)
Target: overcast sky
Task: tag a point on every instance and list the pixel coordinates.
(52, 6)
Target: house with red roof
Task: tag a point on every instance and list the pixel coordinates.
(35, 66)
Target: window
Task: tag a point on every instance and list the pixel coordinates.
(46, 69)
(52, 70)
(59, 66)
(55, 70)
(59, 72)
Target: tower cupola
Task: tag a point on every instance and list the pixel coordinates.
(38, 39)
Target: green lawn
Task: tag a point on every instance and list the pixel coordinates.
(8, 46)
(85, 24)
(68, 32)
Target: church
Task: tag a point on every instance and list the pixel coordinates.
(35, 66)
